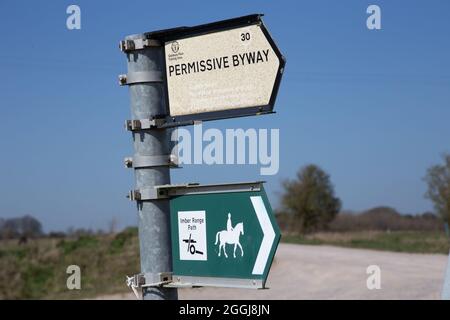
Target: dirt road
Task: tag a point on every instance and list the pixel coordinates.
(325, 272)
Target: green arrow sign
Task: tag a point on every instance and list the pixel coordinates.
(222, 235)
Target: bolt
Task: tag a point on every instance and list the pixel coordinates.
(128, 162)
(122, 79)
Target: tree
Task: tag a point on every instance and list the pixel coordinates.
(310, 199)
(26, 226)
(438, 180)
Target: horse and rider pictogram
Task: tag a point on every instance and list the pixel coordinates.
(230, 236)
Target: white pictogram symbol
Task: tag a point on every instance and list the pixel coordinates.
(230, 236)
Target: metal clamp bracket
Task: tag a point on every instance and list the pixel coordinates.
(144, 124)
(148, 194)
(174, 190)
(140, 77)
(137, 44)
(151, 161)
(143, 280)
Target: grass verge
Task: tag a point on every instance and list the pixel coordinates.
(398, 241)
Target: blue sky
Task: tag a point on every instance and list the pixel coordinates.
(371, 107)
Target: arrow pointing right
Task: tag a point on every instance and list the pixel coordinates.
(268, 238)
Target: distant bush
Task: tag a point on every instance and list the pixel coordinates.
(385, 219)
(376, 219)
(56, 235)
(26, 226)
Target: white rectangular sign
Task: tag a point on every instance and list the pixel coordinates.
(192, 235)
(219, 71)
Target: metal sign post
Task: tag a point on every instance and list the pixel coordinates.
(225, 69)
(151, 161)
(446, 286)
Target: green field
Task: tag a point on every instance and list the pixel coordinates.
(398, 241)
(37, 270)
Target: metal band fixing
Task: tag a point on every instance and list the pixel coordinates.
(140, 77)
(142, 280)
(138, 44)
(147, 194)
(144, 124)
(151, 161)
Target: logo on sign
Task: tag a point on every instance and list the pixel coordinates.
(175, 47)
(192, 235)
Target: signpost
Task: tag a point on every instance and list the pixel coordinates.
(214, 235)
(226, 72)
(225, 69)
(222, 235)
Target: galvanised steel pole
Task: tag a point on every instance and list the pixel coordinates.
(446, 287)
(148, 100)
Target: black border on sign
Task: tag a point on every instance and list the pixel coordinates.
(224, 25)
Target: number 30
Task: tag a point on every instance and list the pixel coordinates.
(245, 36)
